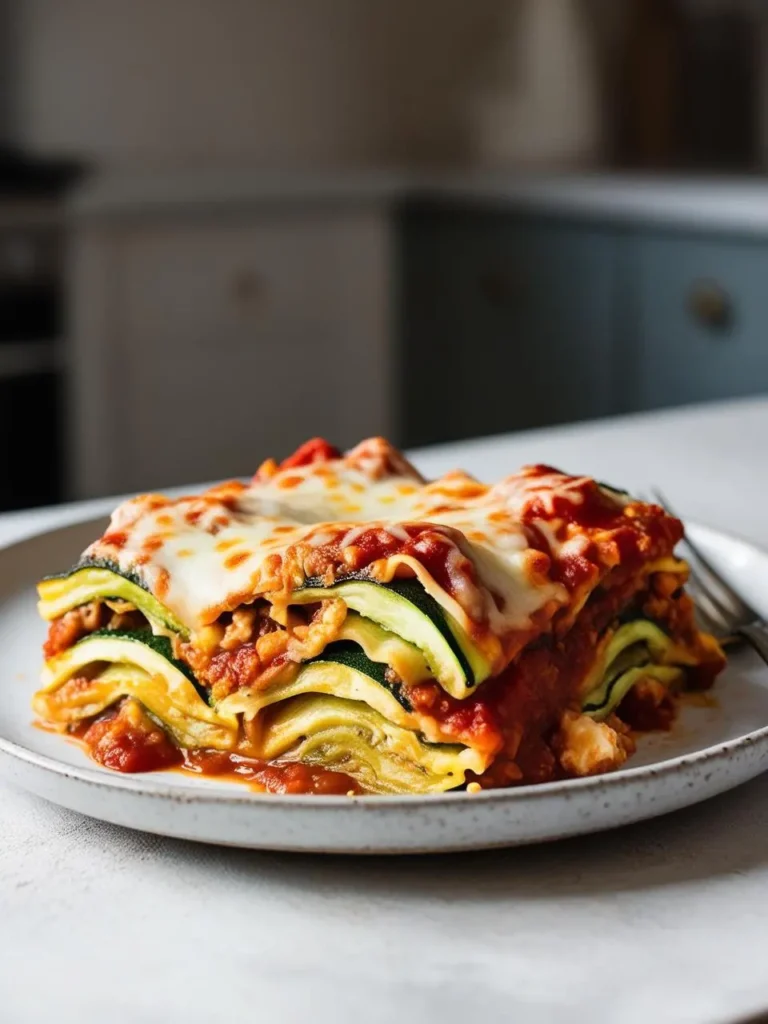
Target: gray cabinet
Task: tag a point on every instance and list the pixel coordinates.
(506, 323)
(512, 320)
(427, 316)
(698, 313)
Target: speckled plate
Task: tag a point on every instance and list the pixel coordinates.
(719, 742)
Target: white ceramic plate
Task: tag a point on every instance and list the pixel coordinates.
(715, 745)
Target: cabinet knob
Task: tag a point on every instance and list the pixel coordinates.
(248, 290)
(710, 305)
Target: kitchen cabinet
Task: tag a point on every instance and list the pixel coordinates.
(506, 323)
(219, 341)
(217, 323)
(700, 309)
(511, 320)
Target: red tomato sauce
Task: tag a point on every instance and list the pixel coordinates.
(514, 716)
(290, 777)
(135, 744)
(116, 743)
(311, 452)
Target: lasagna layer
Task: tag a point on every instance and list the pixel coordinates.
(341, 613)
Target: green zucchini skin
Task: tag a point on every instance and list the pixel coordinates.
(638, 644)
(623, 682)
(417, 763)
(345, 652)
(141, 665)
(98, 563)
(414, 593)
(613, 490)
(160, 645)
(107, 581)
(404, 608)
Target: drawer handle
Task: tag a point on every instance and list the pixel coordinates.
(711, 306)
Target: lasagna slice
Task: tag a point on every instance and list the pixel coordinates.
(340, 624)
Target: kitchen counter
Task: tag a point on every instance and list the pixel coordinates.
(661, 921)
(706, 203)
(712, 204)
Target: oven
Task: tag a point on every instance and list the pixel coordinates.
(31, 329)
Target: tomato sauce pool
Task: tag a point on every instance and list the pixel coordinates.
(290, 777)
(115, 744)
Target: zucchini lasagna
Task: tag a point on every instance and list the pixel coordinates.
(339, 624)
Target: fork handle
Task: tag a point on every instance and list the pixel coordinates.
(756, 635)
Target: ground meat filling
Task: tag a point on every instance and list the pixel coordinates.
(65, 631)
(249, 648)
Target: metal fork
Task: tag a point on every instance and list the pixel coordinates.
(722, 611)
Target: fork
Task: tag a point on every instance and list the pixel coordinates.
(722, 611)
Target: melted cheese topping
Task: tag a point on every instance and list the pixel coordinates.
(502, 559)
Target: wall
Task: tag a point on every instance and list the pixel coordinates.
(274, 82)
(278, 83)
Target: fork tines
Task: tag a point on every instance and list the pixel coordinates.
(721, 609)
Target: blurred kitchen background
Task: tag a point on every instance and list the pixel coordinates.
(229, 225)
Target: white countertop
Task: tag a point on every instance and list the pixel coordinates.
(738, 204)
(661, 921)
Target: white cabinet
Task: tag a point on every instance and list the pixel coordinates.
(203, 343)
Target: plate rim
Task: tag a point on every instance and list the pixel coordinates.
(146, 785)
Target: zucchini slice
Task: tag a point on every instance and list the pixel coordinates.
(380, 645)
(615, 692)
(85, 583)
(137, 665)
(347, 736)
(342, 670)
(404, 608)
(339, 711)
(638, 648)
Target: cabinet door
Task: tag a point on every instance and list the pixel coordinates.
(234, 340)
(507, 324)
(701, 309)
